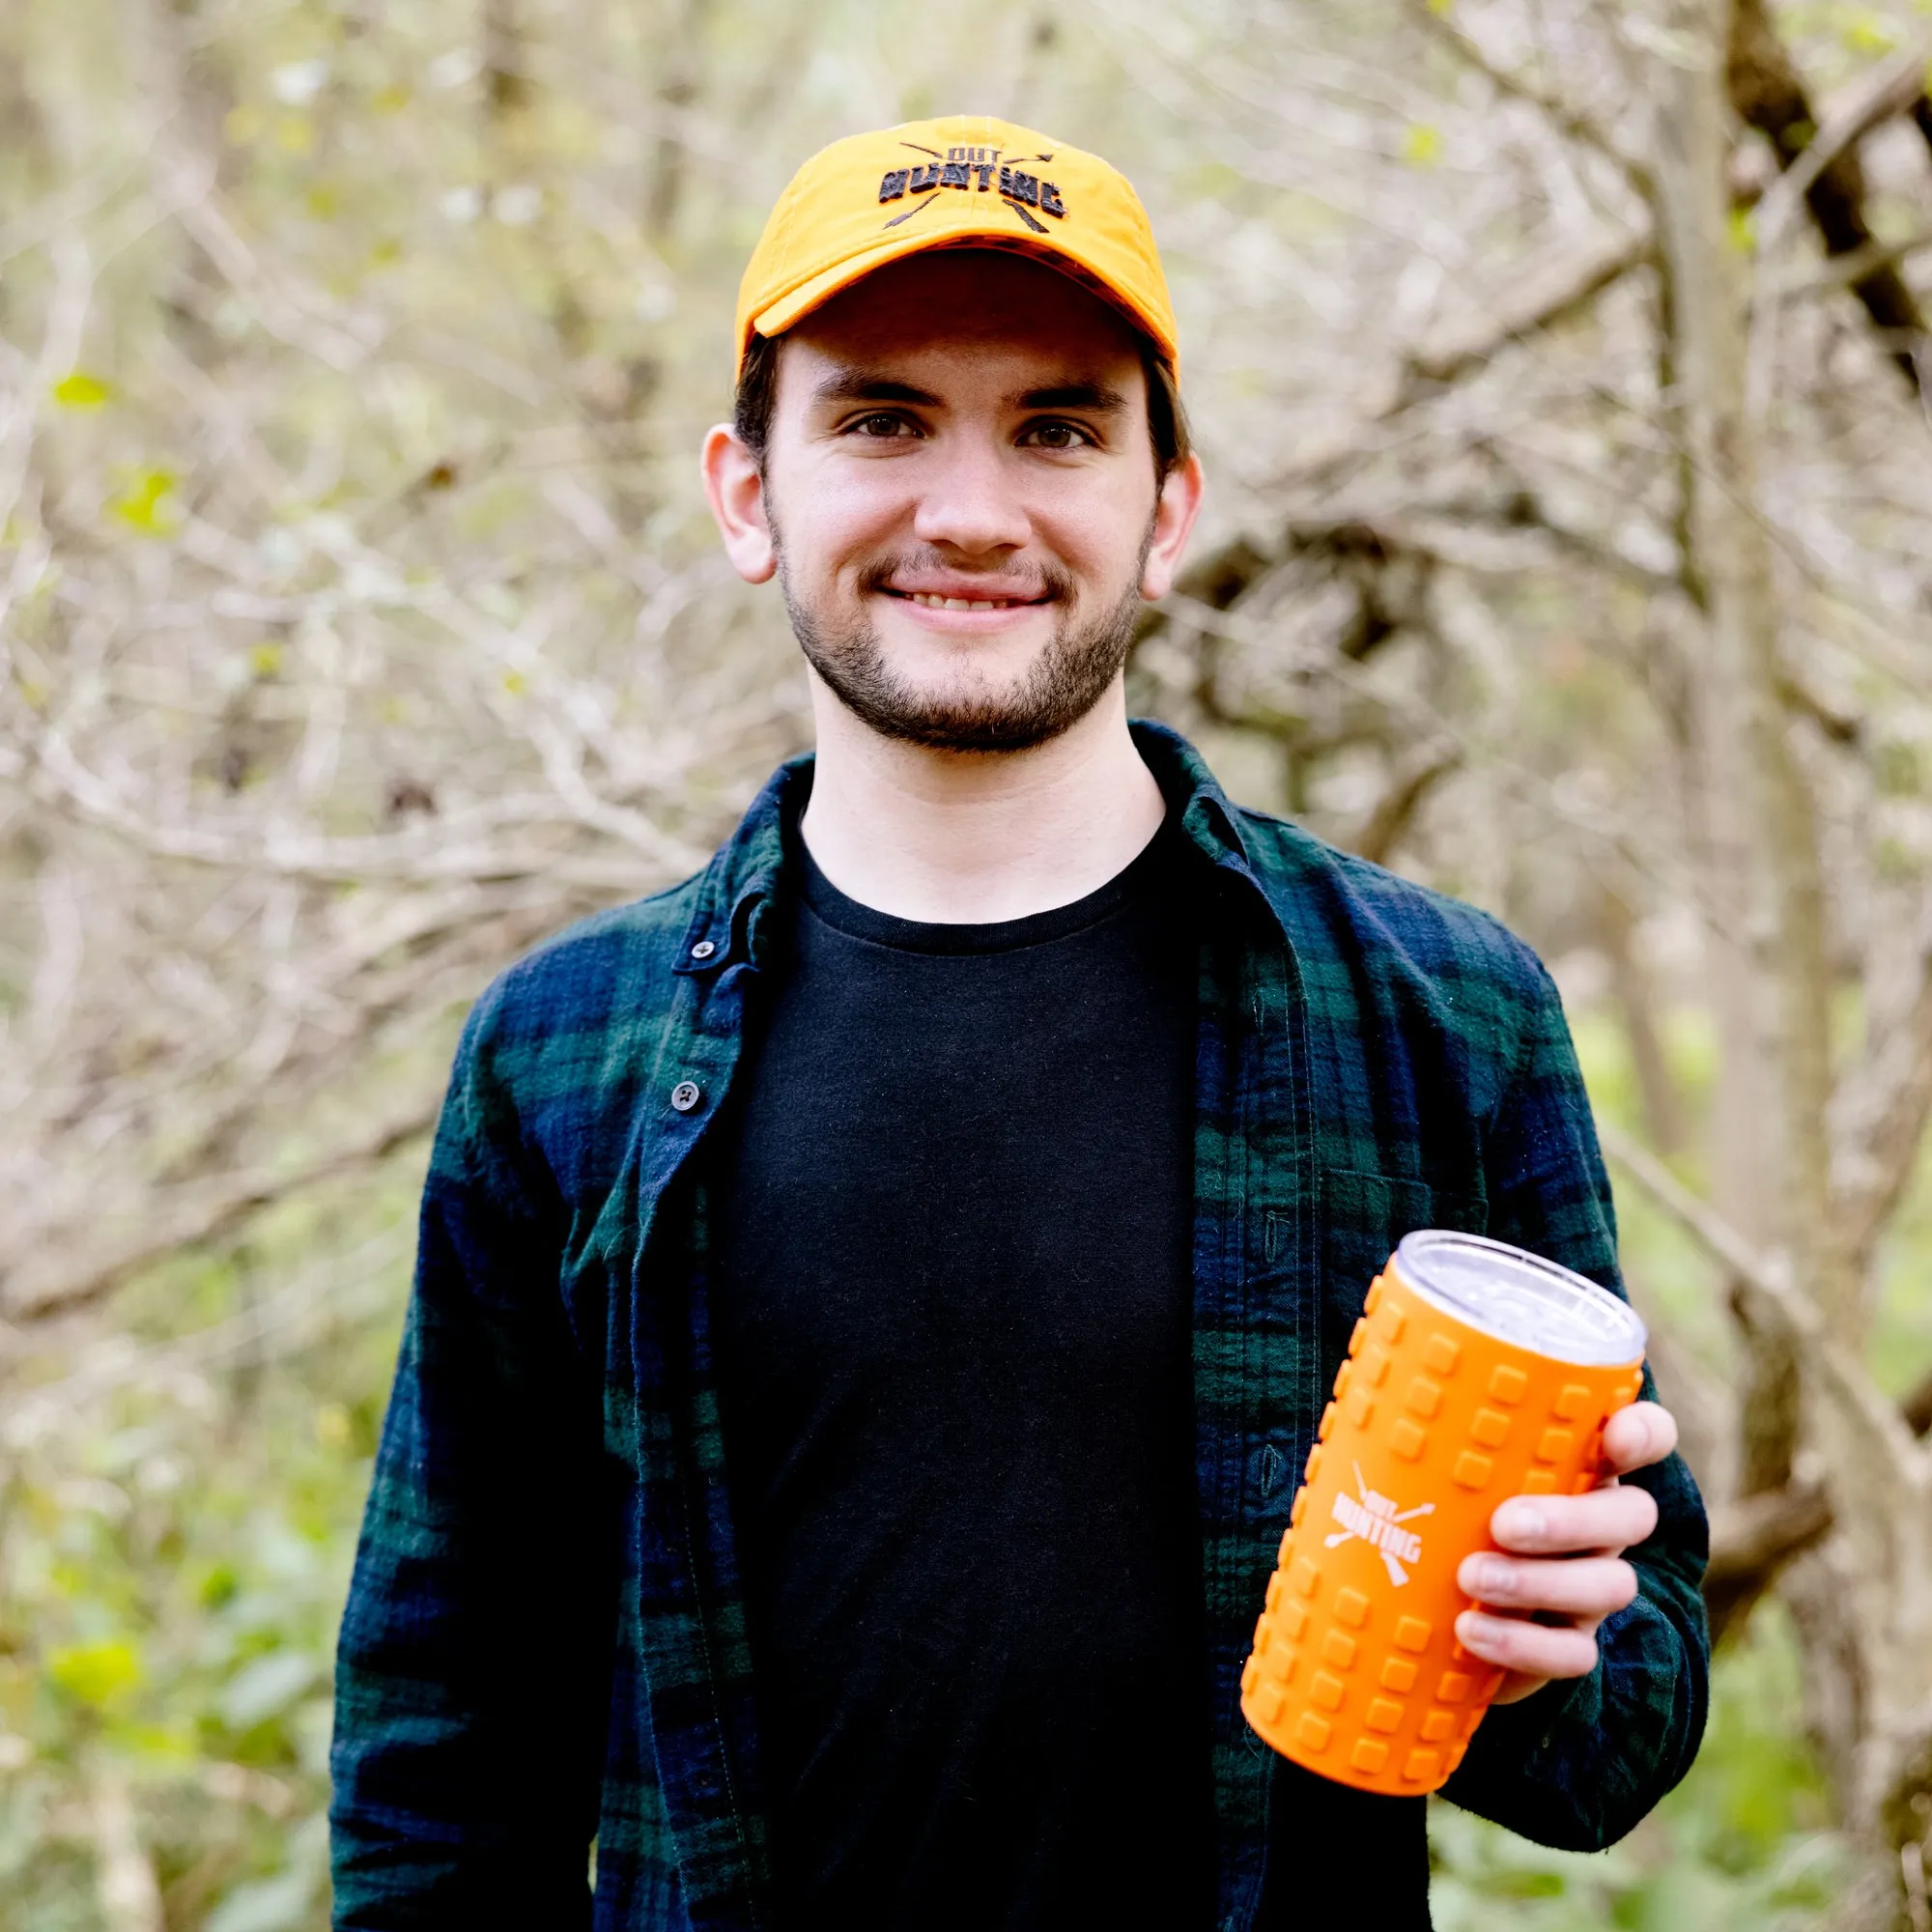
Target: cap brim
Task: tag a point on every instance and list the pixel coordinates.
(821, 288)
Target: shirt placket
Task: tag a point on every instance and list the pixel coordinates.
(1257, 1312)
(697, 1667)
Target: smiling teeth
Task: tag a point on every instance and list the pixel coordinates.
(933, 602)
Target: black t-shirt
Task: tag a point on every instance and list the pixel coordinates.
(954, 1337)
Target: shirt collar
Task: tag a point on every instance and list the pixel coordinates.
(747, 868)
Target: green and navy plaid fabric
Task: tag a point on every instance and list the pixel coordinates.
(545, 1640)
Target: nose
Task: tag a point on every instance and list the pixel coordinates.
(967, 501)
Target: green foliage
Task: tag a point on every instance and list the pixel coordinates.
(174, 1553)
(1742, 1846)
(1422, 145)
(95, 1676)
(82, 391)
(145, 504)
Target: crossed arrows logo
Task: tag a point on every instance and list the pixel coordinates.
(1376, 1519)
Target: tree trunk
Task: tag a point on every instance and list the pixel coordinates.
(1636, 1000)
(1864, 1600)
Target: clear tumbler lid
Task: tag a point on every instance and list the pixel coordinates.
(1519, 1297)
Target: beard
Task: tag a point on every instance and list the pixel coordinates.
(1063, 684)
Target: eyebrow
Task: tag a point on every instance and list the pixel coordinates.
(865, 386)
(1093, 397)
(862, 385)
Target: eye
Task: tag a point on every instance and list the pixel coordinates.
(882, 425)
(1056, 435)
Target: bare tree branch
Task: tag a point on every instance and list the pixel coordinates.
(1394, 810)
(1548, 294)
(1851, 1388)
(1751, 1540)
(1543, 299)
(1881, 1110)
(1821, 164)
(63, 1284)
(1565, 115)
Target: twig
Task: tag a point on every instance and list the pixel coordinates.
(1770, 1276)
(207, 1218)
(1563, 114)
(1889, 91)
(1837, 272)
(1548, 295)
(1886, 91)
(262, 1330)
(1755, 1534)
(1542, 299)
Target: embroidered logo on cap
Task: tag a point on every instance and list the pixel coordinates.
(975, 169)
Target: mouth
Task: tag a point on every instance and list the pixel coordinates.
(929, 600)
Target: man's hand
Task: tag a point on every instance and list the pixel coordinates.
(1567, 1571)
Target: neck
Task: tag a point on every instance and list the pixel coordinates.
(971, 837)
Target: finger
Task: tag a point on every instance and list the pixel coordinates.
(1537, 1650)
(1516, 1687)
(1637, 1436)
(1591, 1587)
(1609, 1519)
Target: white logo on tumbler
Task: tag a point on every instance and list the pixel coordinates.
(1376, 1519)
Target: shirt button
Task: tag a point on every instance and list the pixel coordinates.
(685, 1096)
(704, 949)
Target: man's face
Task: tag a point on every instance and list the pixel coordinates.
(961, 501)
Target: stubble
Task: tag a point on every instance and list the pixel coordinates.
(1063, 684)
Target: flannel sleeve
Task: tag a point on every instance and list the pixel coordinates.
(1578, 1766)
(471, 1693)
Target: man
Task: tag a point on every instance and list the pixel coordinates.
(874, 1298)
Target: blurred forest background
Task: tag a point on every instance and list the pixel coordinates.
(1562, 375)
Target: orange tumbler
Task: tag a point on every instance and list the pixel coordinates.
(1477, 1372)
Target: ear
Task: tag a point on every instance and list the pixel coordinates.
(736, 492)
(1179, 504)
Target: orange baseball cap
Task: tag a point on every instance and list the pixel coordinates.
(967, 181)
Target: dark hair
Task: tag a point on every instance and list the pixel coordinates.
(759, 390)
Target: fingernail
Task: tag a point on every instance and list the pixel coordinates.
(1491, 1575)
(1526, 1521)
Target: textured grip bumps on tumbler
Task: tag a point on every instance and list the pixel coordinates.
(1355, 1671)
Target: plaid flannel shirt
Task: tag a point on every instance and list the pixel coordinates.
(545, 1641)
